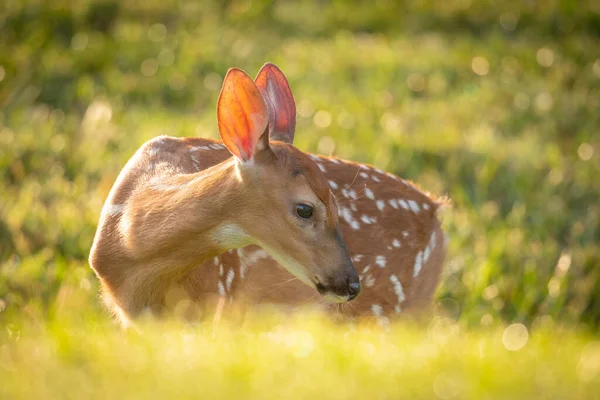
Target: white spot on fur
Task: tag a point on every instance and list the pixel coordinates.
(403, 204)
(376, 179)
(376, 309)
(369, 194)
(430, 247)
(381, 261)
(396, 243)
(229, 279)
(345, 193)
(352, 194)
(357, 258)
(247, 260)
(315, 158)
(322, 168)
(369, 281)
(418, 264)
(405, 233)
(333, 160)
(216, 261)
(368, 220)
(414, 206)
(362, 166)
(398, 289)
(221, 289)
(397, 309)
(366, 269)
(195, 161)
(393, 203)
(433, 240)
(426, 254)
(112, 210)
(425, 206)
(347, 216)
(380, 204)
(333, 185)
(363, 175)
(221, 270)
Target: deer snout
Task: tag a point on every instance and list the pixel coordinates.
(340, 287)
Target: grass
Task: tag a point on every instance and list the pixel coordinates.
(493, 104)
(272, 356)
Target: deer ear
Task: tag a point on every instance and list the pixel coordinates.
(242, 116)
(280, 102)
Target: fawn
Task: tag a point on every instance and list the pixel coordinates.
(391, 229)
(181, 202)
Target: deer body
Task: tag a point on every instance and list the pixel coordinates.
(173, 207)
(391, 229)
(392, 232)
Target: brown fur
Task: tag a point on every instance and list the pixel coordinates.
(267, 282)
(169, 210)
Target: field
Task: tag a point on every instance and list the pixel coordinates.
(494, 104)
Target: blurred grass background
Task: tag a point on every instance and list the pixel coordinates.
(493, 103)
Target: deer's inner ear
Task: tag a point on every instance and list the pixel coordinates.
(242, 116)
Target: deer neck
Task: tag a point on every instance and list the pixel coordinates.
(179, 221)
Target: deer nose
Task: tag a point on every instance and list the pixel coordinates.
(353, 290)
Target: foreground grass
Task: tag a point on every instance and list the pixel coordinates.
(300, 357)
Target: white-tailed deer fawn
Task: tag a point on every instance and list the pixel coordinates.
(180, 202)
(390, 227)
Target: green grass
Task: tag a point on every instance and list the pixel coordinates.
(494, 104)
(303, 357)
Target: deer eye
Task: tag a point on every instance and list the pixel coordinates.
(304, 211)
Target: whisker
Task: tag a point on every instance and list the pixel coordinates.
(355, 176)
(278, 285)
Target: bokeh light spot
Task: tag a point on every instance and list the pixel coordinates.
(149, 67)
(345, 120)
(585, 151)
(212, 81)
(522, 101)
(480, 66)
(305, 109)
(446, 386)
(326, 145)
(79, 41)
(415, 82)
(322, 119)
(596, 68)
(515, 336)
(545, 57)
(157, 32)
(544, 102)
(588, 367)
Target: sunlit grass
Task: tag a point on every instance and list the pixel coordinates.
(302, 356)
(494, 104)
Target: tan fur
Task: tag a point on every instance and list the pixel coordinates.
(266, 282)
(174, 198)
(181, 210)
